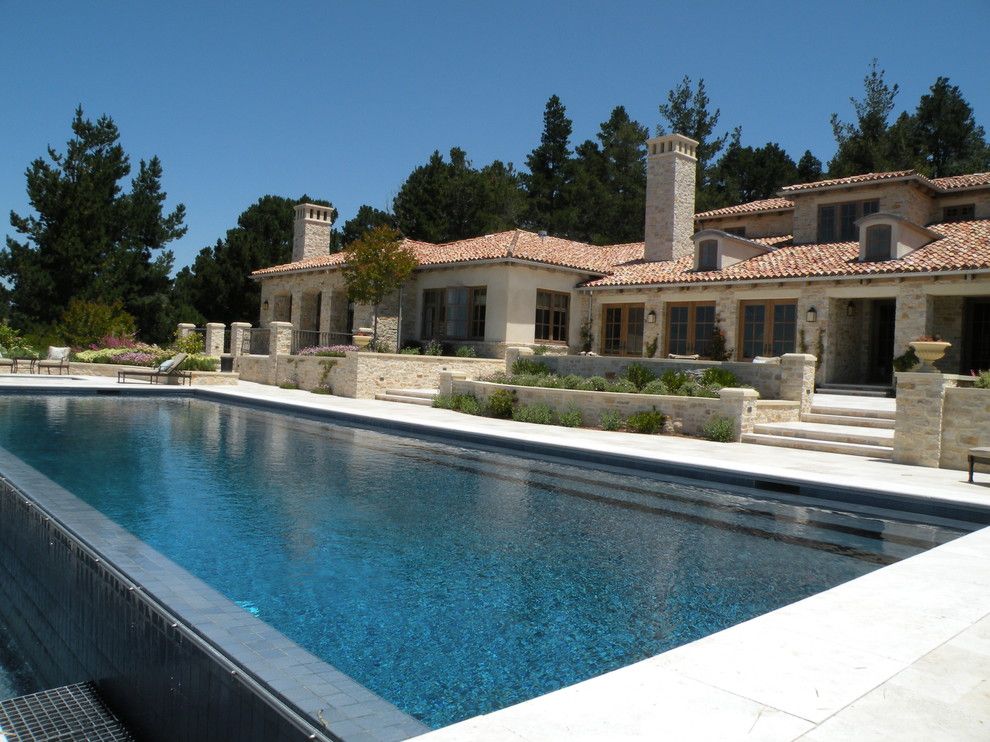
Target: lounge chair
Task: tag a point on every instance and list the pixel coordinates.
(690, 357)
(168, 369)
(57, 358)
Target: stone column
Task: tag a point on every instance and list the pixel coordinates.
(185, 328)
(739, 405)
(279, 339)
(447, 380)
(213, 342)
(797, 379)
(918, 424)
(237, 336)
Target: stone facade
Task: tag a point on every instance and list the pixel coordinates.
(965, 425)
(311, 231)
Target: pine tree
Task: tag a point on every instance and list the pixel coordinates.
(809, 168)
(949, 140)
(550, 171)
(745, 174)
(863, 146)
(367, 217)
(90, 240)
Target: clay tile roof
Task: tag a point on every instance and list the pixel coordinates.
(962, 181)
(864, 178)
(963, 246)
(516, 244)
(766, 204)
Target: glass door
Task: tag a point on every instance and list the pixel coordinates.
(767, 328)
(622, 330)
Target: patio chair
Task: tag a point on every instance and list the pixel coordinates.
(57, 358)
(167, 370)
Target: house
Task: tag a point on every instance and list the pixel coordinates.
(848, 269)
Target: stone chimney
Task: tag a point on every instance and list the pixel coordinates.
(311, 232)
(670, 179)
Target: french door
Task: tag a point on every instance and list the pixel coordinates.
(622, 330)
(767, 328)
(690, 326)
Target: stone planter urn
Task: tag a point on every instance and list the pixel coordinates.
(929, 351)
(362, 337)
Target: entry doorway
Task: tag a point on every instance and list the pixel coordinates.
(622, 330)
(882, 317)
(976, 335)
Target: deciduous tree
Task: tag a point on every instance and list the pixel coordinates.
(377, 264)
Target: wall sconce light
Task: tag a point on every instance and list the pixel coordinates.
(651, 317)
(850, 310)
(265, 305)
(812, 315)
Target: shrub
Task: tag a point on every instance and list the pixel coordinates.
(85, 322)
(332, 351)
(414, 351)
(541, 350)
(622, 385)
(443, 402)
(202, 363)
(322, 390)
(549, 382)
(720, 429)
(433, 348)
(571, 418)
(594, 384)
(379, 345)
(288, 385)
(639, 375)
(500, 403)
(692, 388)
(525, 380)
(655, 387)
(524, 365)
(610, 420)
(906, 361)
(718, 377)
(9, 337)
(465, 351)
(497, 377)
(983, 380)
(674, 380)
(571, 381)
(541, 414)
(650, 421)
(191, 343)
(467, 403)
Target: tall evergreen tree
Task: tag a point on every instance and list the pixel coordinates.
(550, 171)
(809, 168)
(949, 140)
(864, 146)
(367, 217)
(687, 112)
(89, 239)
(745, 174)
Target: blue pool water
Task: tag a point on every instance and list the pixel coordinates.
(450, 581)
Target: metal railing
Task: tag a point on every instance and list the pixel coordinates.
(310, 338)
(254, 341)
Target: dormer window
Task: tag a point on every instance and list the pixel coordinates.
(878, 242)
(737, 231)
(959, 213)
(708, 255)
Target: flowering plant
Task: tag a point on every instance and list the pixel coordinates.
(327, 350)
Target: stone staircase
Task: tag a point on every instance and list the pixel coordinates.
(856, 390)
(859, 431)
(422, 397)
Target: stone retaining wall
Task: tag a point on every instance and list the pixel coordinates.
(689, 414)
(965, 425)
(199, 378)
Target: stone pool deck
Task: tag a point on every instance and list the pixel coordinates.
(901, 653)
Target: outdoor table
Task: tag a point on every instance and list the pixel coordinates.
(977, 454)
(29, 361)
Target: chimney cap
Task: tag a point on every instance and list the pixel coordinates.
(314, 212)
(671, 144)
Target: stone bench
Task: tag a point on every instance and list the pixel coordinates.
(981, 455)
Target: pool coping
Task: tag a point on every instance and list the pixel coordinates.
(712, 688)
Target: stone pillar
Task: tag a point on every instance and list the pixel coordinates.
(237, 336)
(447, 380)
(918, 424)
(213, 342)
(913, 316)
(279, 339)
(739, 405)
(797, 379)
(512, 354)
(184, 328)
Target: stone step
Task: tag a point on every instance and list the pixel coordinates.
(405, 399)
(421, 393)
(826, 409)
(806, 444)
(850, 419)
(832, 433)
(854, 392)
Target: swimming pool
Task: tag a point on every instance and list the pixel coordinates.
(451, 581)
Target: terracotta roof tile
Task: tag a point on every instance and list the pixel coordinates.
(752, 207)
(864, 178)
(953, 182)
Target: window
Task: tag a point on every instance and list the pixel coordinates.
(552, 311)
(767, 328)
(877, 243)
(622, 330)
(958, 213)
(708, 255)
(837, 222)
(454, 312)
(737, 231)
(690, 326)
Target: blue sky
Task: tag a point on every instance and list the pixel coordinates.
(342, 100)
